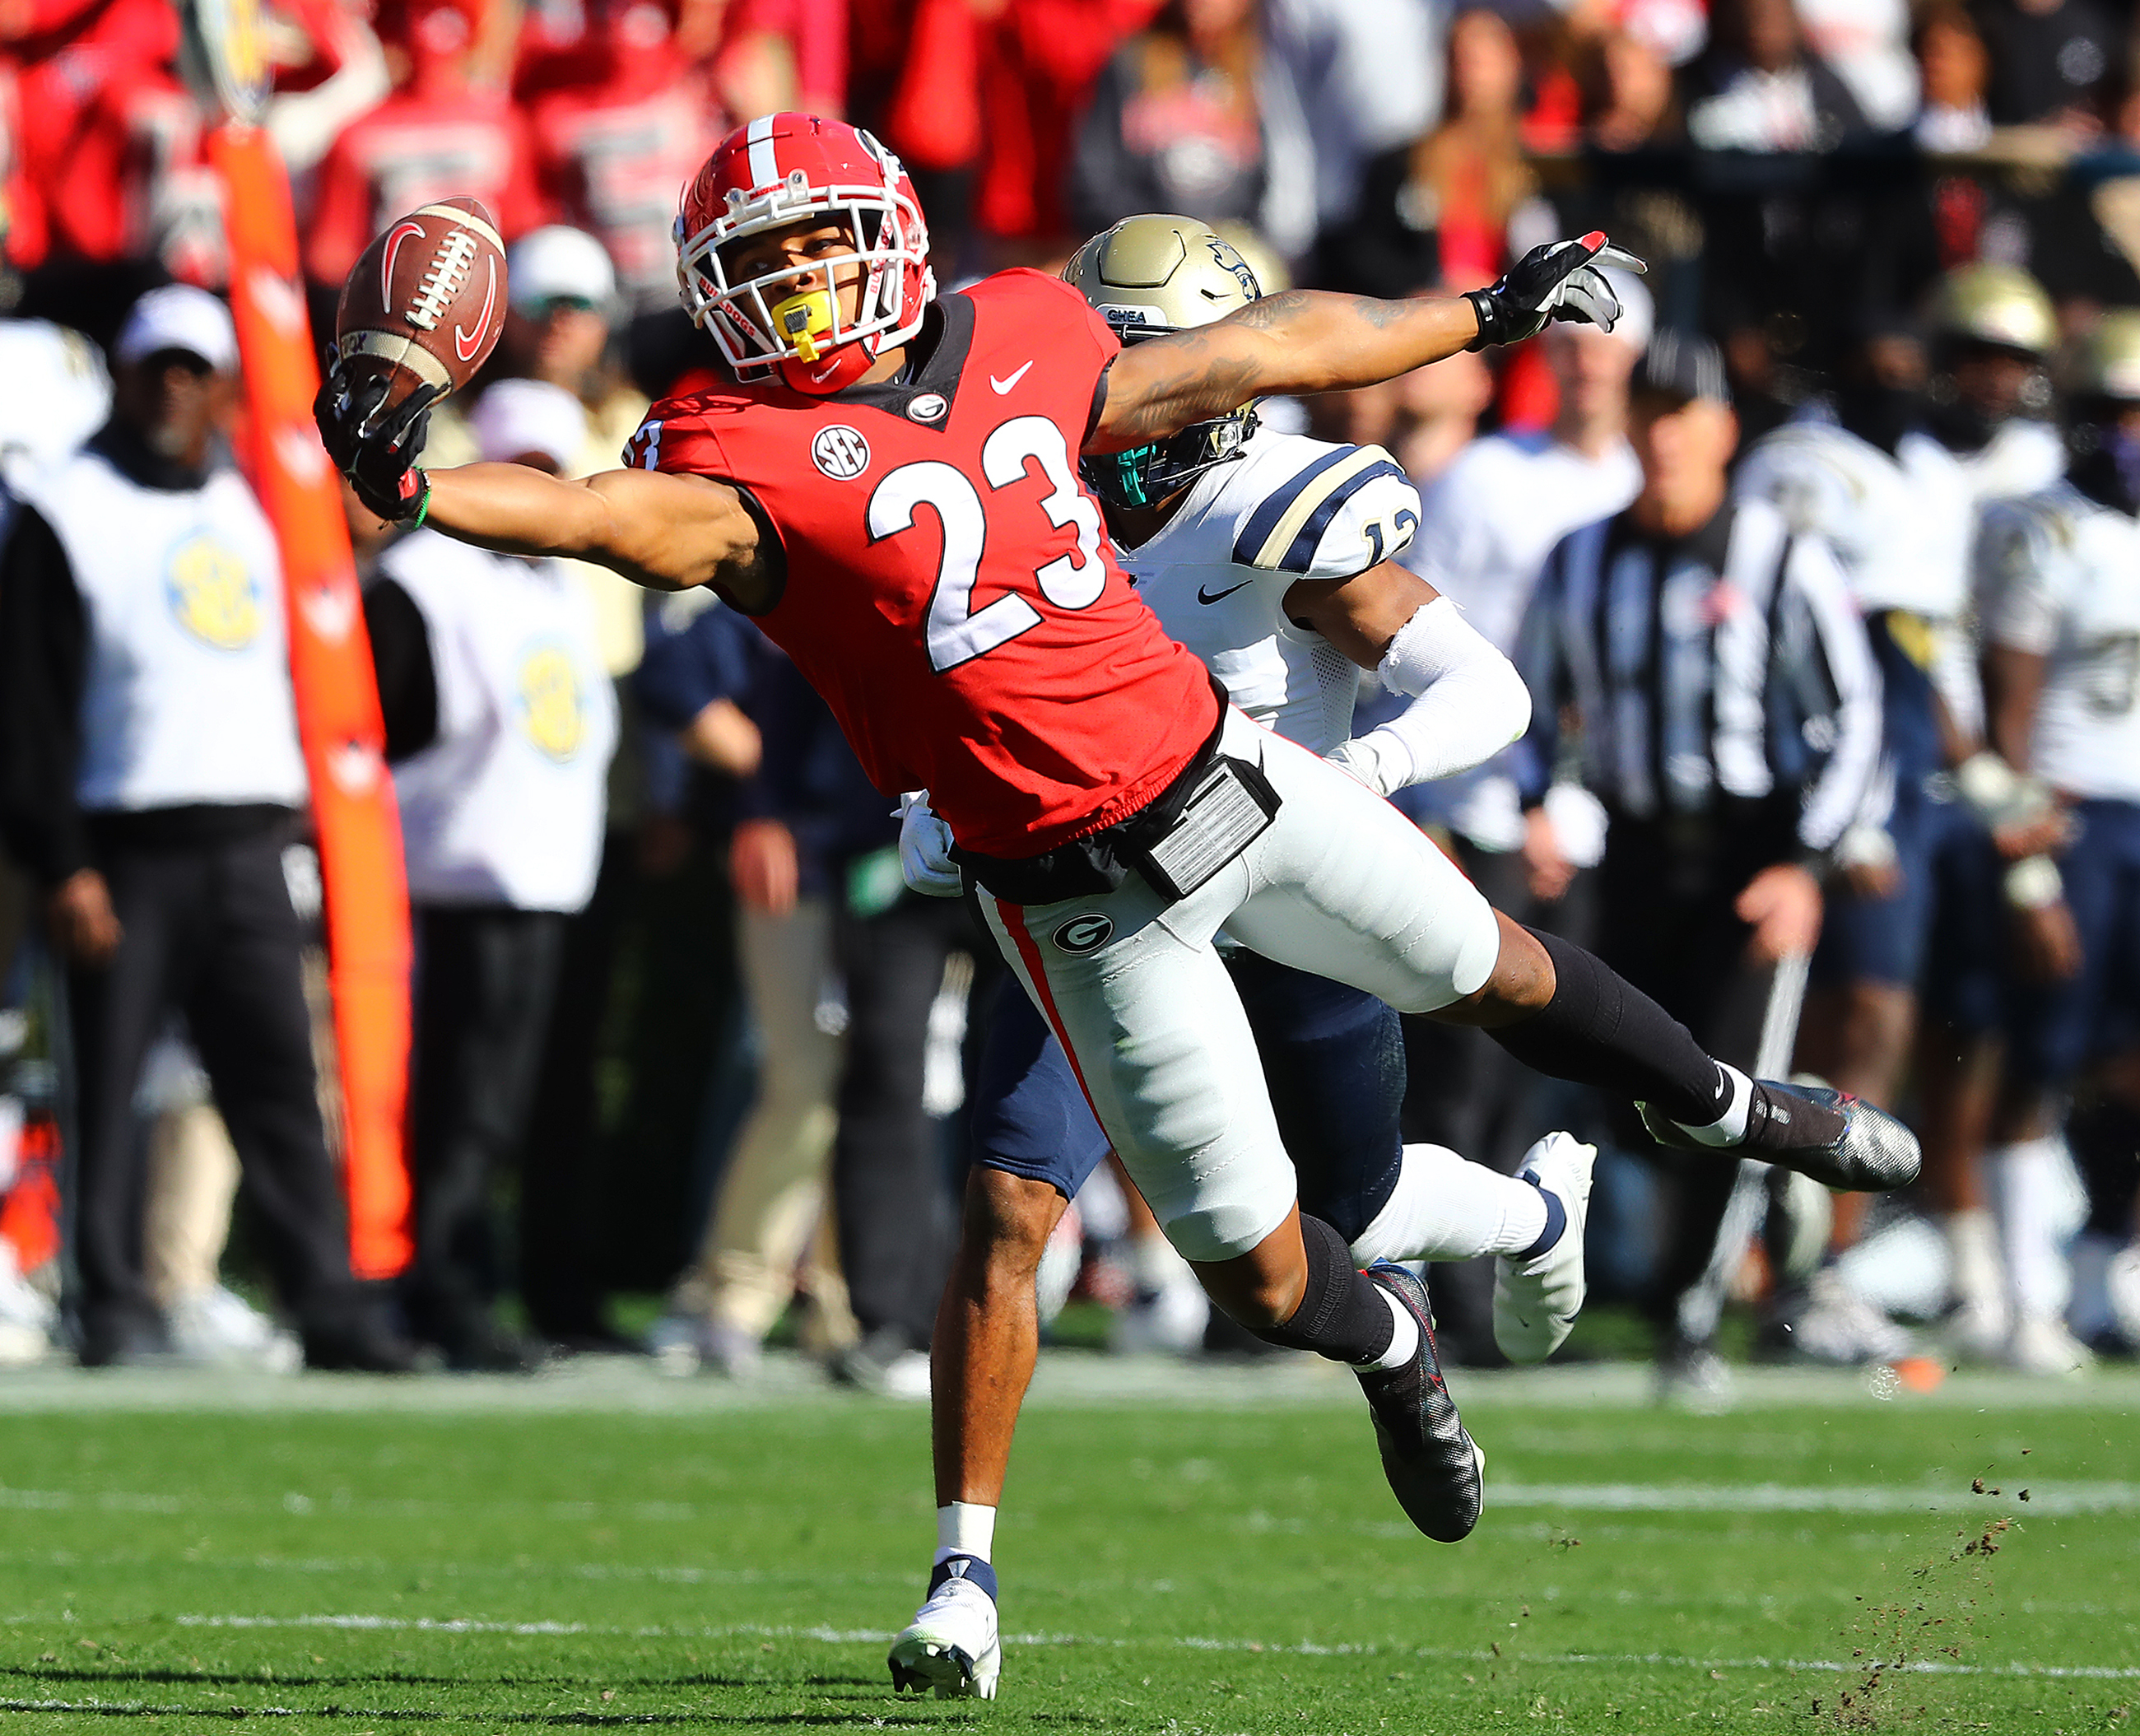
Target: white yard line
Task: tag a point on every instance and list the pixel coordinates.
(615, 1386)
(2045, 1500)
(859, 1636)
(2065, 1498)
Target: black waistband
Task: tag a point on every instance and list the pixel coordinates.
(199, 826)
(1097, 862)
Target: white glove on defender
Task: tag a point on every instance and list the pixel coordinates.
(924, 849)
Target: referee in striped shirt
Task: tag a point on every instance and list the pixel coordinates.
(1729, 716)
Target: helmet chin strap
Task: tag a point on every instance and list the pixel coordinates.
(835, 370)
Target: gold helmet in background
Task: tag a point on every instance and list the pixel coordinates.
(2106, 363)
(1996, 304)
(1146, 277)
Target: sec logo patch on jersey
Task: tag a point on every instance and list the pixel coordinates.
(839, 452)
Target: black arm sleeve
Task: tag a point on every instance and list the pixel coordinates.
(401, 663)
(44, 655)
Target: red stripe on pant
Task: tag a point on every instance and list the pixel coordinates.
(1028, 950)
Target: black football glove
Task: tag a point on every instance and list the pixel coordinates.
(1556, 280)
(375, 447)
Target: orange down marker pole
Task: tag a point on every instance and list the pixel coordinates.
(338, 717)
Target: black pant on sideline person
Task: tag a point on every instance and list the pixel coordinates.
(891, 1185)
(1665, 893)
(206, 926)
(486, 979)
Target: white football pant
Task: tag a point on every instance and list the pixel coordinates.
(1340, 884)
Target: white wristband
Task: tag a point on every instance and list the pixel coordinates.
(1866, 846)
(1996, 793)
(2034, 883)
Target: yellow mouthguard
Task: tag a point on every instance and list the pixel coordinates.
(801, 318)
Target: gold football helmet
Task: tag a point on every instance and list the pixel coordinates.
(1996, 304)
(1146, 277)
(2106, 363)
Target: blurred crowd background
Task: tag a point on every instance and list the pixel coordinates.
(707, 1049)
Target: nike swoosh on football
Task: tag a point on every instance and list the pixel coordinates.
(1204, 596)
(1001, 386)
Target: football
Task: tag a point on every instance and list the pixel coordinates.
(426, 302)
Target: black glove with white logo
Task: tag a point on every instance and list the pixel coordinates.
(375, 447)
(1556, 280)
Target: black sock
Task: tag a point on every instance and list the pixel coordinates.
(2104, 1138)
(1599, 1029)
(1342, 1314)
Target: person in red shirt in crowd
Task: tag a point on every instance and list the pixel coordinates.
(615, 146)
(22, 239)
(135, 184)
(1015, 76)
(109, 141)
(439, 134)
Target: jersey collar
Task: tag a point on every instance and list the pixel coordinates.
(947, 336)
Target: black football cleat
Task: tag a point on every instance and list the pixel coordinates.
(1819, 1131)
(1433, 1466)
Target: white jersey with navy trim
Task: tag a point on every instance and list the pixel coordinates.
(2059, 576)
(2022, 456)
(1899, 523)
(1217, 573)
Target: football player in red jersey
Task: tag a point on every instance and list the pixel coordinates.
(890, 488)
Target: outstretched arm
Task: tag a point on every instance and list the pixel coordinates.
(1305, 341)
(667, 532)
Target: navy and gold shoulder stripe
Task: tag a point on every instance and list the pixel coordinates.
(1283, 534)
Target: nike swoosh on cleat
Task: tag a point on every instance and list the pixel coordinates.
(1204, 596)
(1001, 386)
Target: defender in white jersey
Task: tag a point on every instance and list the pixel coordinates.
(1268, 555)
(1994, 333)
(2058, 575)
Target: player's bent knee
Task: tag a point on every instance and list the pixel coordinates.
(1009, 1220)
(1468, 950)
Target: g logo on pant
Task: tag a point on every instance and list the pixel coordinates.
(1083, 934)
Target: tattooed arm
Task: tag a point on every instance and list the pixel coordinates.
(1307, 342)
(1300, 342)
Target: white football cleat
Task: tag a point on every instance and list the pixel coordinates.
(28, 1321)
(952, 1645)
(1536, 1301)
(1839, 1327)
(220, 1328)
(2123, 1283)
(2041, 1345)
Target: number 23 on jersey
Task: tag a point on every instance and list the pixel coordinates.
(956, 632)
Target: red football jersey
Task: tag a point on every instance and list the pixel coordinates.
(952, 591)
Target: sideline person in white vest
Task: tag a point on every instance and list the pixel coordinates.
(500, 723)
(150, 780)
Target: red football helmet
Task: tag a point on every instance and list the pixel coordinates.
(777, 170)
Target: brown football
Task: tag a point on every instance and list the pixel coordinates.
(425, 304)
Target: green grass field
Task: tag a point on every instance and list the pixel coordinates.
(1182, 1550)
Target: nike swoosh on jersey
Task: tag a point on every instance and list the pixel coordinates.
(1001, 386)
(1217, 596)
